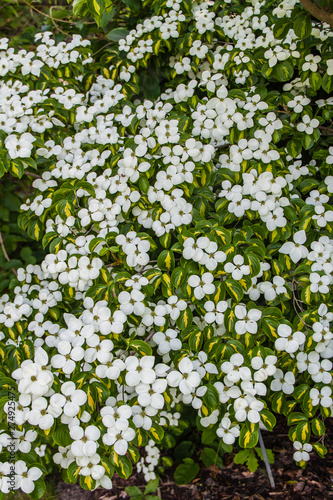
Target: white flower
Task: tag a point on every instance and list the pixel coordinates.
(70, 400)
(302, 452)
(19, 146)
(186, 378)
(175, 306)
(283, 381)
(150, 396)
(272, 289)
(248, 408)
(247, 320)
(237, 268)
(119, 439)
(322, 396)
(210, 420)
(215, 312)
(85, 440)
(296, 250)
(264, 367)
(140, 370)
(319, 283)
(116, 417)
(203, 285)
(307, 125)
(234, 369)
(227, 431)
(195, 397)
(25, 477)
(288, 341)
(167, 341)
(329, 63)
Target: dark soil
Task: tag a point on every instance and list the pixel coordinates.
(236, 482)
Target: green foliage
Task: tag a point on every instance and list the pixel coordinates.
(180, 214)
(250, 457)
(136, 494)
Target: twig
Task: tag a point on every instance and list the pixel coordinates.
(150, 336)
(5, 253)
(328, 130)
(54, 18)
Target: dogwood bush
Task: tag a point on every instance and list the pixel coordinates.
(184, 207)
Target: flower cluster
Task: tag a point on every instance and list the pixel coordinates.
(188, 237)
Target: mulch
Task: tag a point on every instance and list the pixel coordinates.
(236, 482)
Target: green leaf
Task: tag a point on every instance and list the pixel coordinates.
(134, 492)
(35, 229)
(178, 276)
(157, 432)
(186, 472)
(318, 427)
(166, 260)
(269, 453)
(152, 486)
(39, 489)
(249, 457)
(61, 436)
(320, 449)
(294, 147)
(281, 27)
(123, 466)
(327, 83)
(210, 458)
(117, 34)
(303, 432)
(141, 347)
(284, 71)
(235, 290)
(248, 437)
(195, 340)
(268, 419)
(211, 398)
(303, 25)
(315, 80)
(73, 472)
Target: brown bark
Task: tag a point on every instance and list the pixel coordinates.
(320, 14)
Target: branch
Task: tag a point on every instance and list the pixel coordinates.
(5, 253)
(322, 15)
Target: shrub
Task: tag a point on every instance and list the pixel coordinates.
(184, 207)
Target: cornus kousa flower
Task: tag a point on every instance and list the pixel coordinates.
(215, 313)
(237, 268)
(264, 367)
(247, 320)
(248, 408)
(272, 289)
(227, 431)
(85, 440)
(203, 285)
(25, 478)
(235, 370)
(71, 399)
(296, 250)
(167, 341)
(186, 378)
(302, 451)
(289, 341)
(283, 381)
(322, 396)
(140, 370)
(319, 283)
